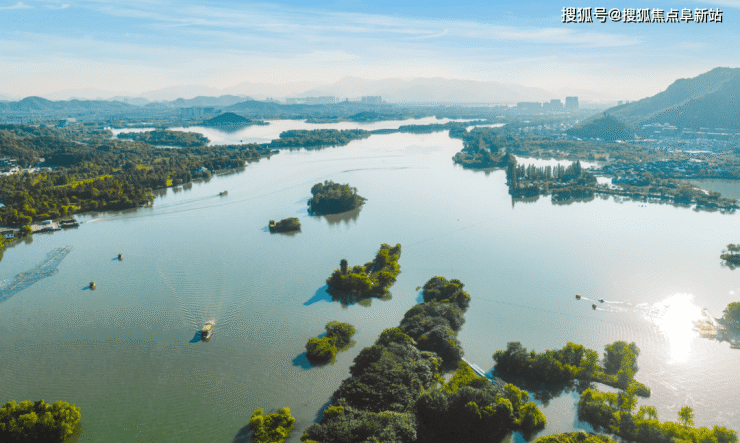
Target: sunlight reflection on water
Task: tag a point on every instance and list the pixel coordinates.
(674, 316)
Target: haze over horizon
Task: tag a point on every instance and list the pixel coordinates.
(88, 47)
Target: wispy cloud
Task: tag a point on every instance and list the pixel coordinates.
(62, 6)
(19, 5)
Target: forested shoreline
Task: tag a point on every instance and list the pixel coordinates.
(103, 174)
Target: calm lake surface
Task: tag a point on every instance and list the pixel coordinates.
(127, 353)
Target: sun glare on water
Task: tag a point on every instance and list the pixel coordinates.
(675, 316)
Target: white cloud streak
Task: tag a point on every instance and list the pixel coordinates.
(19, 5)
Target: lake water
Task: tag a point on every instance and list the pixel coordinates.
(127, 352)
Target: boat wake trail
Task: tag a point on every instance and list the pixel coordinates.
(46, 268)
(201, 299)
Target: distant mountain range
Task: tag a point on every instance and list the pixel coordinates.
(432, 90)
(38, 104)
(710, 100)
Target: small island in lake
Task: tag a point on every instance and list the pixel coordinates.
(285, 225)
(372, 279)
(333, 198)
(229, 120)
(338, 338)
(731, 256)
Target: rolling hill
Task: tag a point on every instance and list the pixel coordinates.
(708, 100)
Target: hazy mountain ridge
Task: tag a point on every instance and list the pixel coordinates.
(432, 89)
(39, 104)
(708, 100)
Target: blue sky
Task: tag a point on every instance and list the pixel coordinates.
(138, 46)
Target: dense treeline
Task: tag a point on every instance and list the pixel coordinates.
(481, 150)
(392, 392)
(564, 183)
(109, 175)
(317, 138)
(370, 280)
(615, 413)
(573, 362)
(271, 428)
(165, 137)
(575, 437)
(338, 338)
(39, 421)
(333, 198)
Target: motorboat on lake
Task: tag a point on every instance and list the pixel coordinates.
(207, 331)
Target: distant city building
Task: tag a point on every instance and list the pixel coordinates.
(620, 102)
(372, 100)
(310, 101)
(555, 105)
(571, 103)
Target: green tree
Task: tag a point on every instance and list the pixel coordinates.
(732, 315)
(686, 416)
(341, 332)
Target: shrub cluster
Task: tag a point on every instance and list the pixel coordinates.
(323, 350)
(38, 421)
(271, 428)
(613, 412)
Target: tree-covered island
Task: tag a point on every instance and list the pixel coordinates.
(37, 422)
(393, 393)
(285, 225)
(338, 338)
(333, 198)
(369, 280)
(165, 137)
(731, 256)
(317, 138)
(230, 121)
